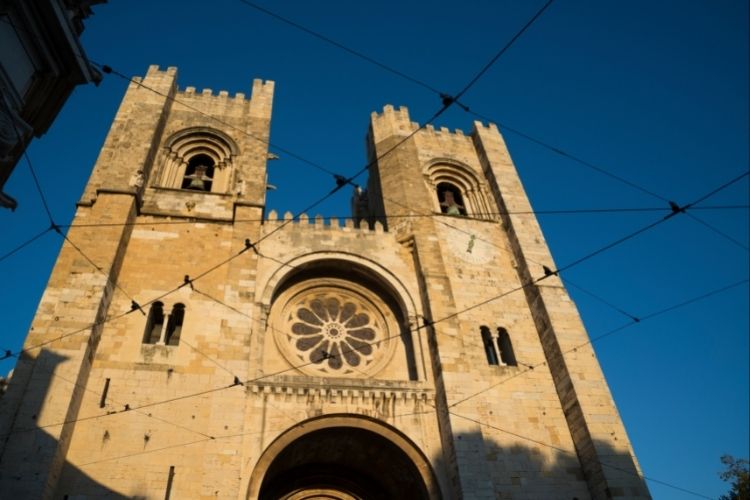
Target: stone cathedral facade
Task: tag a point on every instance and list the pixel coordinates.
(218, 350)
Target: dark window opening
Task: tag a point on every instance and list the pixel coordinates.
(451, 200)
(489, 346)
(154, 323)
(506, 348)
(174, 325)
(199, 173)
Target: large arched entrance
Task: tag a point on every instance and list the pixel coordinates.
(342, 458)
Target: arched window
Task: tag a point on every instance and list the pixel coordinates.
(489, 345)
(174, 325)
(154, 323)
(199, 159)
(458, 190)
(506, 348)
(451, 200)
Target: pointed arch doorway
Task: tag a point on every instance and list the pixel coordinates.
(342, 458)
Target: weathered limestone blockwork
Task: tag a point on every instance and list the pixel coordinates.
(311, 356)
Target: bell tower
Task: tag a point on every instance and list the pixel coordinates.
(172, 156)
(496, 329)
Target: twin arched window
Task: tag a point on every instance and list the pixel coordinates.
(499, 344)
(155, 332)
(199, 159)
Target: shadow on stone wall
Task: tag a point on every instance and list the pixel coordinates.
(537, 470)
(28, 449)
(533, 470)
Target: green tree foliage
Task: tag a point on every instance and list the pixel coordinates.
(739, 475)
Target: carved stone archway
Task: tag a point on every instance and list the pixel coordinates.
(342, 457)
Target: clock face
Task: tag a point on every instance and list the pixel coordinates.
(470, 247)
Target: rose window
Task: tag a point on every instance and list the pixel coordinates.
(327, 330)
(334, 332)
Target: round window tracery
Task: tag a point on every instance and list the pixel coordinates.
(333, 330)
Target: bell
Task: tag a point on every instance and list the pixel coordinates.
(198, 184)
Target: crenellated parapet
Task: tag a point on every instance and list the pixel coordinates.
(318, 222)
(258, 104)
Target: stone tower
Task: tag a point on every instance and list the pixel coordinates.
(216, 351)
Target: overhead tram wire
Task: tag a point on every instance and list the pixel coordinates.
(340, 180)
(430, 323)
(346, 181)
(719, 232)
(574, 453)
(676, 210)
(563, 211)
(449, 100)
(53, 225)
(340, 183)
(596, 168)
(608, 333)
(481, 423)
(650, 316)
(466, 108)
(23, 245)
(466, 88)
(110, 70)
(343, 181)
(341, 46)
(52, 372)
(502, 51)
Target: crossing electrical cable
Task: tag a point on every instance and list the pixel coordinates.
(560, 269)
(341, 181)
(427, 323)
(596, 168)
(389, 151)
(618, 329)
(676, 210)
(575, 454)
(719, 232)
(563, 211)
(341, 46)
(502, 51)
(24, 244)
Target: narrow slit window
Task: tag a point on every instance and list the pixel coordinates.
(199, 173)
(489, 346)
(154, 323)
(506, 348)
(451, 200)
(174, 325)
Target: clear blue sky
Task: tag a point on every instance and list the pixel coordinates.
(653, 91)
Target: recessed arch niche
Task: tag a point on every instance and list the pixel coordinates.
(334, 317)
(343, 457)
(191, 147)
(450, 176)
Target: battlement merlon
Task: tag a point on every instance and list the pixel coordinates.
(396, 122)
(261, 100)
(164, 82)
(391, 122)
